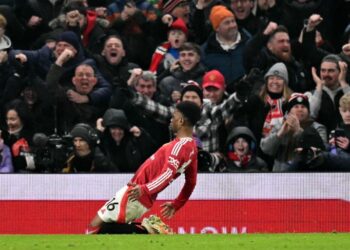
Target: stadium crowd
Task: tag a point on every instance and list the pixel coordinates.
(91, 85)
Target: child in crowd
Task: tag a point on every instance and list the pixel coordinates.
(167, 53)
(241, 156)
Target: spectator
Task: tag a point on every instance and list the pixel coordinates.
(312, 52)
(214, 87)
(18, 136)
(244, 16)
(200, 12)
(5, 158)
(116, 8)
(281, 142)
(28, 87)
(273, 45)
(125, 147)
(241, 152)
(343, 140)
(35, 16)
(113, 61)
(223, 49)
(138, 34)
(330, 87)
(206, 129)
(87, 157)
(188, 67)
(73, 98)
(5, 45)
(177, 9)
(262, 111)
(44, 58)
(145, 83)
(83, 21)
(168, 53)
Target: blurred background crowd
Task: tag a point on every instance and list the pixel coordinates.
(90, 85)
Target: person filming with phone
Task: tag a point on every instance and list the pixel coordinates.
(340, 137)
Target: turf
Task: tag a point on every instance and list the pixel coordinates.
(332, 241)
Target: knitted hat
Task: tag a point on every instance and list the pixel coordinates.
(190, 111)
(217, 14)
(298, 98)
(310, 138)
(179, 24)
(192, 87)
(71, 38)
(215, 79)
(86, 132)
(168, 6)
(115, 118)
(278, 69)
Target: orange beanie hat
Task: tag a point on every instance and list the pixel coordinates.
(217, 14)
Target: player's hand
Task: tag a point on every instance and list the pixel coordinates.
(168, 210)
(134, 193)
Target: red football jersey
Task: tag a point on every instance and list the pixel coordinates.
(165, 165)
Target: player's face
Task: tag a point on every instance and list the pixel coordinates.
(81, 146)
(241, 147)
(176, 121)
(345, 114)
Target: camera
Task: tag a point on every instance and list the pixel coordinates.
(208, 162)
(51, 152)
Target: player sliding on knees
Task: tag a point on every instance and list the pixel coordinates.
(133, 200)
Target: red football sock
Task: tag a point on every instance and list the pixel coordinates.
(92, 230)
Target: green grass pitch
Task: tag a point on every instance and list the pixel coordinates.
(331, 241)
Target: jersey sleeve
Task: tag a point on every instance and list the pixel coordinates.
(188, 187)
(176, 160)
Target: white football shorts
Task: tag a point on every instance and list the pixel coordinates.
(120, 209)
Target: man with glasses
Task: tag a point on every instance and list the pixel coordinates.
(72, 101)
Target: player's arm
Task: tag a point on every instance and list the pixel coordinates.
(188, 187)
(177, 156)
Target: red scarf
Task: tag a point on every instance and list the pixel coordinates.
(91, 21)
(158, 56)
(240, 161)
(274, 116)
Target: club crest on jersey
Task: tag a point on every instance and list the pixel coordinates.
(172, 161)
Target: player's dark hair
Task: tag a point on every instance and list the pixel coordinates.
(190, 111)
